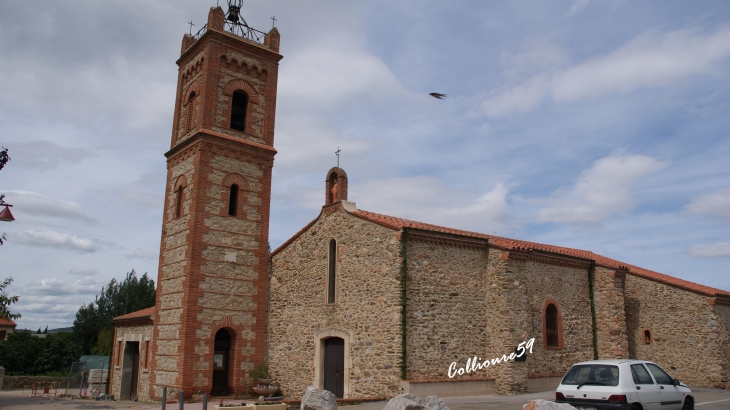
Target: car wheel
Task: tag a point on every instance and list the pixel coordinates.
(688, 404)
(635, 407)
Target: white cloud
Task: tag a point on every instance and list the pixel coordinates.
(649, 60)
(82, 272)
(59, 240)
(578, 6)
(426, 199)
(716, 204)
(54, 301)
(715, 250)
(36, 204)
(142, 254)
(600, 192)
(142, 198)
(44, 155)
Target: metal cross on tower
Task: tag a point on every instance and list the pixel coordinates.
(191, 27)
(273, 21)
(338, 156)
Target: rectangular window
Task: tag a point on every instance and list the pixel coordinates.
(3, 333)
(146, 353)
(119, 353)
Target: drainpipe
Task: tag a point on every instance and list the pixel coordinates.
(591, 276)
(404, 278)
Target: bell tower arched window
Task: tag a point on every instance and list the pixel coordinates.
(178, 202)
(239, 105)
(233, 200)
(332, 261)
(189, 112)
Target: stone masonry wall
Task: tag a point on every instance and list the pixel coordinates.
(508, 321)
(568, 287)
(367, 307)
(608, 289)
(722, 312)
(143, 335)
(685, 331)
(447, 313)
(171, 278)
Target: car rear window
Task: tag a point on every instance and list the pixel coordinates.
(598, 374)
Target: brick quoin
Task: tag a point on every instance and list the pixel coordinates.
(213, 267)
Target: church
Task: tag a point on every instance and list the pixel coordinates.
(362, 304)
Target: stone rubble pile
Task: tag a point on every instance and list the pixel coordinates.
(541, 404)
(316, 399)
(410, 402)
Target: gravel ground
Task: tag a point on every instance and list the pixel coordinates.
(707, 399)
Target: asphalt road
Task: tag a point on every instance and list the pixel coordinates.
(706, 399)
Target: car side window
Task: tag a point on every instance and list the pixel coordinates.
(640, 375)
(660, 375)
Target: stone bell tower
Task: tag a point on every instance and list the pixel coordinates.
(210, 316)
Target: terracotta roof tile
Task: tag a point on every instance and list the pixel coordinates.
(512, 244)
(7, 322)
(149, 312)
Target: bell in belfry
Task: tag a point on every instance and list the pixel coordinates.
(234, 10)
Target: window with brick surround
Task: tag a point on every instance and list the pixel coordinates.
(233, 201)
(332, 260)
(189, 112)
(178, 202)
(239, 105)
(146, 353)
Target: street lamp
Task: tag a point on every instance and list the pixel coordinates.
(5, 214)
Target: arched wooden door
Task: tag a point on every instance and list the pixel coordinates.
(334, 366)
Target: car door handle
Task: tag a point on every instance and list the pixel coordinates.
(661, 387)
(638, 387)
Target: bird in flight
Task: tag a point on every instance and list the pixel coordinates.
(438, 95)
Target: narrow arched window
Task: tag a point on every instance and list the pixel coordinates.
(647, 336)
(551, 326)
(331, 271)
(178, 202)
(189, 112)
(233, 200)
(238, 111)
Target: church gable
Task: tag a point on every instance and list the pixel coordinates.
(337, 279)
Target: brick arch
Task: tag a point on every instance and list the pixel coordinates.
(336, 176)
(195, 86)
(181, 182)
(545, 305)
(234, 85)
(237, 179)
(227, 323)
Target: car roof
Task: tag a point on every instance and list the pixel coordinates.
(613, 362)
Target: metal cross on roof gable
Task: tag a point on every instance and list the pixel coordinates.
(338, 156)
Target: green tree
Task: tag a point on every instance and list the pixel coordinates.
(6, 301)
(115, 299)
(23, 352)
(104, 343)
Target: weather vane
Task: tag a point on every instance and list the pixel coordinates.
(338, 156)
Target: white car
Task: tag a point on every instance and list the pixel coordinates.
(622, 384)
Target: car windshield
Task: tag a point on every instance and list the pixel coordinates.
(592, 374)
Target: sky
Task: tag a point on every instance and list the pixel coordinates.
(598, 125)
